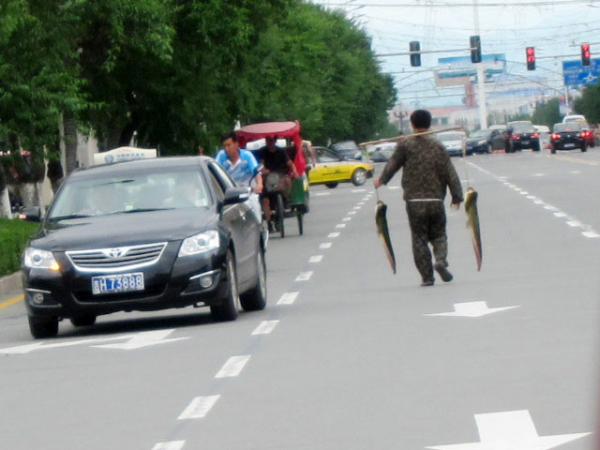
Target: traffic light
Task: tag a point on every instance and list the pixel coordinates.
(585, 54)
(530, 52)
(415, 53)
(475, 42)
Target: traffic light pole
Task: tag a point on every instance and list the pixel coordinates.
(480, 75)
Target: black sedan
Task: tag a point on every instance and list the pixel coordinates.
(568, 136)
(145, 235)
(485, 141)
(522, 135)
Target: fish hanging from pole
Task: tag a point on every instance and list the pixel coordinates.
(384, 233)
(473, 223)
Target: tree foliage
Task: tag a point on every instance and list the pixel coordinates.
(176, 73)
(547, 113)
(589, 103)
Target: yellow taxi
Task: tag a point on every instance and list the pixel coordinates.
(331, 169)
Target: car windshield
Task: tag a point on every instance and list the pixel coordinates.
(480, 134)
(450, 137)
(136, 192)
(523, 128)
(345, 146)
(572, 126)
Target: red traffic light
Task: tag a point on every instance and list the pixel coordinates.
(530, 53)
(585, 54)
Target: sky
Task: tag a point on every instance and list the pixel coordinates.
(554, 28)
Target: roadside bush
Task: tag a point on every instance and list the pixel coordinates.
(14, 235)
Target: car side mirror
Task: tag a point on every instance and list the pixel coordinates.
(236, 195)
(32, 214)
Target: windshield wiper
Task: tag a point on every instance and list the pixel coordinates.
(68, 217)
(138, 210)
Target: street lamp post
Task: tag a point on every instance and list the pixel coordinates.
(480, 74)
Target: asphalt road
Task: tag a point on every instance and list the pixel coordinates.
(347, 355)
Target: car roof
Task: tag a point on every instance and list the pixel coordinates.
(139, 165)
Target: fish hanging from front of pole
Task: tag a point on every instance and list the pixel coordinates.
(384, 233)
(473, 223)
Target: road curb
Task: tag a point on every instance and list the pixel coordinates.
(10, 283)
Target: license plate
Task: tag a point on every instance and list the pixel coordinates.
(525, 142)
(569, 145)
(114, 284)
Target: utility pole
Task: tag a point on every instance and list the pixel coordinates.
(480, 75)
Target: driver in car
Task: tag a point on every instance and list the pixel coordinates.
(276, 160)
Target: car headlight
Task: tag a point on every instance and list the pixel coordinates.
(482, 142)
(39, 259)
(200, 243)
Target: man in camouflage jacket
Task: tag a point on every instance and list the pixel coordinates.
(427, 171)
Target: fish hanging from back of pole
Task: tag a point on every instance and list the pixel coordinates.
(384, 232)
(473, 223)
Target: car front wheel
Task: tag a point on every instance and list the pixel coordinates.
(359, 177)
(256, 298)
(43, 327)
(229, 307)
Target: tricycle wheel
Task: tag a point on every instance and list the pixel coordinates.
(280, 214)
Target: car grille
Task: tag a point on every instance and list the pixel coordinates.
(116, 259)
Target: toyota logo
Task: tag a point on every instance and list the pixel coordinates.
(115, 253)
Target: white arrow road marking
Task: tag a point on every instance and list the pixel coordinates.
(509, 431)
(199, 407)
(304, 276)
(173, 445)
(315, 259)
(144, 339)
(265, 327)
(233, 367)
(288, 298)
(22, 349)
(334, 235)
(472, 309)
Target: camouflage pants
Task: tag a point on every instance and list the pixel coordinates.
(428, 226)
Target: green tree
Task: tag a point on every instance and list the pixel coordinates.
(589, 103)
(547, 113)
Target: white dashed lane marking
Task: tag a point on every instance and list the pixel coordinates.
(265, 327)
(347, 219)
(173, 445)
(199, 407)
(325, 245)
(304, 276)
(333, 235)
(288, 298)
(341, 225)
(315, 259)
(233, 367)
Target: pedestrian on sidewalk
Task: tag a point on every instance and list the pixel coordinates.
(427, 172)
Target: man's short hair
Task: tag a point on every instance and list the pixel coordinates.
(231, 135)
(421, 118)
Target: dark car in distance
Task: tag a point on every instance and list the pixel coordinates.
(522, 134)
(484, 141)
(141, 236)
(347, 150)
(568, 136)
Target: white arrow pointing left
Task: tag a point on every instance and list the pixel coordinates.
(512, 430)
(144, 339)
(472, 309)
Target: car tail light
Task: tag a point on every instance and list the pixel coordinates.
(554, 136)
(516, 136)
(535, 135)
(583, 134)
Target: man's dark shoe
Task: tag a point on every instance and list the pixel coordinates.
(427, 283)
(444, 273)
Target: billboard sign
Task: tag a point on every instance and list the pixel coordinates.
(575, 74)
(453, 70)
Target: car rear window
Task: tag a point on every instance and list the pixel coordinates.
(571, 126)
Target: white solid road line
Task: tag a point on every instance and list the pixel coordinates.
(315, 259)
(173, 445)
(233, 367)
(265, 327)
(288, 298)
(325, 245)
(334, 235)
(510, 430)
(304, 276)
(199, 407)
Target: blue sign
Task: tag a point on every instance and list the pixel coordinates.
(575, 74)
